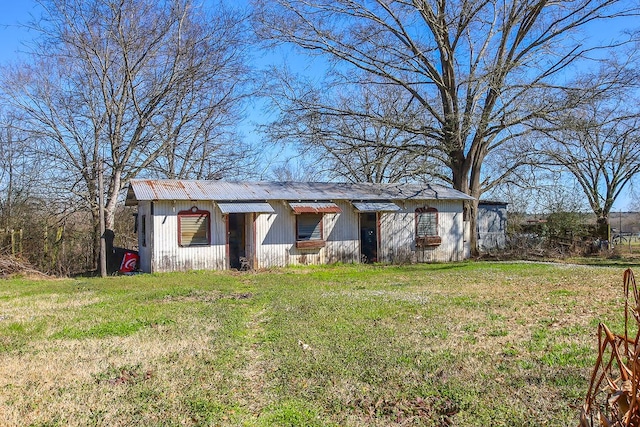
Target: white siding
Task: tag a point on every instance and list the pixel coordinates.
(271, 237)
(276, 237)
(167, 255)
(397, 231)
(342, 233)
(397, 234)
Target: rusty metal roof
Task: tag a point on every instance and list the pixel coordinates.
(314, 207)
(169, 189)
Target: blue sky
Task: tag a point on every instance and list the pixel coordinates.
(13, 12)
(13, 35)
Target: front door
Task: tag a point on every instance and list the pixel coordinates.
(237, 241)
(369, 237)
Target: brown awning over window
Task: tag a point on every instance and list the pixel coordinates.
(314, 207)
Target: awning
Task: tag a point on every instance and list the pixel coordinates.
(375, 206)
(245, 207)
(314, 207)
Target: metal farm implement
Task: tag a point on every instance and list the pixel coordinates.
(613, 398)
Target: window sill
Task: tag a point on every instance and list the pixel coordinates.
(310, 244)
(428, 242)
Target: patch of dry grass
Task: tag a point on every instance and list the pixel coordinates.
(465, 344)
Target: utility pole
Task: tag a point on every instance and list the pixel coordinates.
(103, 245)
(620, 219)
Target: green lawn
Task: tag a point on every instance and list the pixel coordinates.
(468, 344)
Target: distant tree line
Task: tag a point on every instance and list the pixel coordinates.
(490, 98)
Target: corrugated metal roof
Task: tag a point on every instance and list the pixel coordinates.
(245, 207)
(314, 207)
(376, 206)
(167, 189)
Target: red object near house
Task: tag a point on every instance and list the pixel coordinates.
(130, 262)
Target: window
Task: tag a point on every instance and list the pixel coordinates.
(309, 233)
(427, 227)
(193, 227)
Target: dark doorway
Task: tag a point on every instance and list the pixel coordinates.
(237, 240)
(369, 237)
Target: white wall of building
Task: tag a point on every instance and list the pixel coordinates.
(271, 237)
(397, 234)
(169, 256)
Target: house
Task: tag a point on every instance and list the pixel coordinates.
(492, 225)
(204, 225)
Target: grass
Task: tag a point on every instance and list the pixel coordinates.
(467, 344)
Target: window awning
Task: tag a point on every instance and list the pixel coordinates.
(314, 207)
(375, 206)
(245, 207)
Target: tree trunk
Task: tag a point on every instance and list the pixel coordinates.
(112, 199)
(95, 258)
(467, 180)
(602, 228)
(471, 215)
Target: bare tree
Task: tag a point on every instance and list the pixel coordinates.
(355, 135)
(129, 84)
(478, 70)
(295, 169)
(20, 171)
(599, 145)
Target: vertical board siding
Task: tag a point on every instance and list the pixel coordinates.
(144, 211)
(397, 234)
(342, 235)
(492, 227)
(397, 242)
(169, 256)
(276, 237)
(271, 237)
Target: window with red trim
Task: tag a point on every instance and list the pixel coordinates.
(193, 227)
(309, 231)
(427, 227)
(309, 227)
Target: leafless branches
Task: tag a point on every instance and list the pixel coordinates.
(139, 84)
(478, 71)
(596, 141)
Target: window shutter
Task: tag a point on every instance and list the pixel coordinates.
(310, 227)
(194, 229)
(427, 224)
(427, 228)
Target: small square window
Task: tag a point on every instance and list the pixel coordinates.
(309, 231)
(193, 228)
(309, 227)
